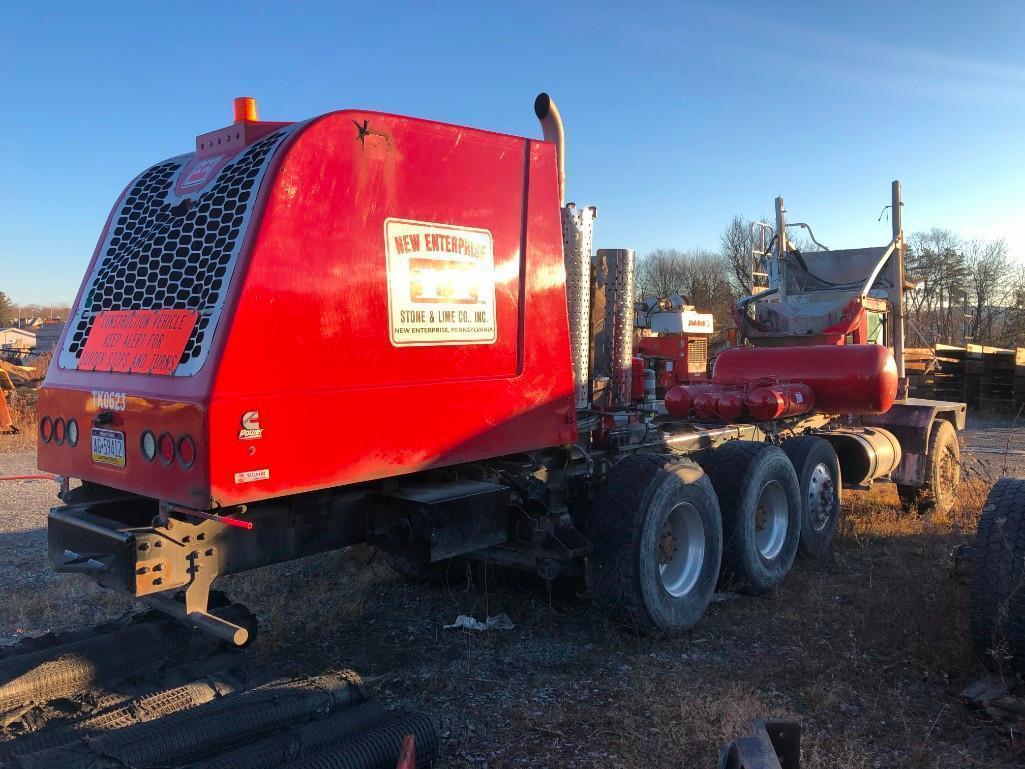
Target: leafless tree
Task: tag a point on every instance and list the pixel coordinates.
(937, 264)
(662, 272)
(701, 277)
(735, 248)
(988, 289)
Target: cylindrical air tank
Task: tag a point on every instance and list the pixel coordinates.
(846, 379)
(771, 402)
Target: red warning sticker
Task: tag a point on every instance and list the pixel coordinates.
(137, 341)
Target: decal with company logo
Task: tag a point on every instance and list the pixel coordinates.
(252, 475)
(441, 284)
(251, 429)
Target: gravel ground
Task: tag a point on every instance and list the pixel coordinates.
(23, 508)
(869, 650)
(995, 445)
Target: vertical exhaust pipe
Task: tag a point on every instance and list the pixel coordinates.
(551, 126)
(577, 239)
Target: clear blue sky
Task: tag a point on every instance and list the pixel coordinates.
(678, 115)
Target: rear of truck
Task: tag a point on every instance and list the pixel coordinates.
(280, 333)
(125, 401)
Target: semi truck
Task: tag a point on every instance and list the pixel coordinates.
(463, 385)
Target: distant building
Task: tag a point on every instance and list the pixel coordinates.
(17, 339)
(48, 334)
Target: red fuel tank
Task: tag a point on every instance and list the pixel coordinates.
(846, 379)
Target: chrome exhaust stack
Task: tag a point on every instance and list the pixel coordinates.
(577, 244)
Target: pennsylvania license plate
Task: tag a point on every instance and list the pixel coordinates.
(108, 447)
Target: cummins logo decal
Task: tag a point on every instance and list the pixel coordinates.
(251, 429)
(441, 284)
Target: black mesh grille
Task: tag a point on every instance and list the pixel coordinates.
(164, 252)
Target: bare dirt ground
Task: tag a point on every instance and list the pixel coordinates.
(869, 650)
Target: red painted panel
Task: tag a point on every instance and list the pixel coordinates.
(360, 407)
(154, 479)
(304, 347)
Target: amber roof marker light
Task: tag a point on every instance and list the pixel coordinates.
(245, 109)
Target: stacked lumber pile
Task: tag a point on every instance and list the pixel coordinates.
(920, 365)
(987, 378)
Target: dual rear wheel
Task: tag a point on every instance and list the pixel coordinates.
(666, 532)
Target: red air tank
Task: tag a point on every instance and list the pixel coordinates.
(704, 405)
(729, 406)
(679, 400)
(778, 401)
(846, 379)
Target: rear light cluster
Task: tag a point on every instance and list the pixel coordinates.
(58, 430)
(167, 448)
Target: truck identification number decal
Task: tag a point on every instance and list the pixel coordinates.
(441, 284)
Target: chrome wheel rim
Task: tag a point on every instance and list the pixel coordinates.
(681, 550)
(821, 497)
(771, 520)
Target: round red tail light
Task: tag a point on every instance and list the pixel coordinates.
(186, 451)
(148, 445)
(46, 429)
(58, 430)
(165, 447)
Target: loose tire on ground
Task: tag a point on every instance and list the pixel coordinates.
(761, 509)
(997, 614)
(942, 474)
(657, 536)
(818, 477)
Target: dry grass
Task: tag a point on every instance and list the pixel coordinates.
(58, 602)
(869, 650)
(22, 405)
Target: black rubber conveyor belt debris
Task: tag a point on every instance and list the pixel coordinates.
(138, 710)
(300, 741)
(378, 748)
(225, 723)
(76, 667)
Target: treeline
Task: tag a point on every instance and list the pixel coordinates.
(965, 289)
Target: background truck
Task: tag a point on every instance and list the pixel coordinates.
(466, 383)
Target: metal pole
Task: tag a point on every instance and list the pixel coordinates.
(897, 281)
(778, 280)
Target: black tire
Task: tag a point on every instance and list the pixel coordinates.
(818, 478)
(942, 474)
(439, 574)
(631, 526)
(997, 614)
(756, 559)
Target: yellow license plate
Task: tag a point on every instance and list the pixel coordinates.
(108, 447)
